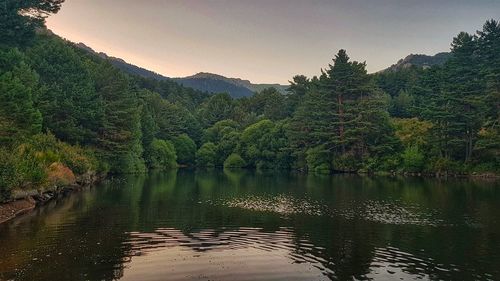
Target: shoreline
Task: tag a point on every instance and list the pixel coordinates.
(20, 206)
(11, 210)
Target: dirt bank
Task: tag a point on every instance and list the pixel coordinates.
(15, 208)
(24, 201)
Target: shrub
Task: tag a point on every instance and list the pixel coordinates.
(30, 165)
(79, 160)
(40, 161)
(7, 174)
(206, 155)
(234, 161)
(163, 154)
(60, 175)
(413, 159)
(442, 165)
(47, 149)
(323, 169)
(318, 159)
(347, 162)
(185, 149)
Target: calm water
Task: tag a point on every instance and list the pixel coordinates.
(220, 225)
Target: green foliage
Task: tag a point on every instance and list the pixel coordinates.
(412, 131)
(234, 161)
(63, 107)
(19, 19)
(206, 156)
(402, 105)
(163, 155)
(27, 164)
(18, 89)
(268, 103)
(226, 137)
(318, 159)
(185, 148)
(119, 142)
(216, 108)
(264, 145)
(71, 108)
(7, 174)
(413, 159)
(345, 113)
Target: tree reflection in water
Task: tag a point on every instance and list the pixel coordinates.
(227, 225)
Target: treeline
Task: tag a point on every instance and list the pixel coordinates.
(66, 114)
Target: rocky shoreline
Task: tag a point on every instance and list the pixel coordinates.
(26, 200)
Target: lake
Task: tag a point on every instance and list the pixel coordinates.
(244, 225)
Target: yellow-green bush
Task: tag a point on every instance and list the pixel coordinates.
(40, 161)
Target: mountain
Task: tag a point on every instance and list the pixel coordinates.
(206, 82)
(123, 65)
(419, 60)
(219, 83)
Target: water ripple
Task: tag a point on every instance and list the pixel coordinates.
(387, 212)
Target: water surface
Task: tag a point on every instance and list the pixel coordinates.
(227, 225)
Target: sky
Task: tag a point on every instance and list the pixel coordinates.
(266, 41)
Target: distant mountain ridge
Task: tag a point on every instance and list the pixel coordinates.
(419, 60)
(236, 87)
(123, 65)
(203, 81)
(218, 83)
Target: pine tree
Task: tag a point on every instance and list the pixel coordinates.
(20, 18)
(119, 139)
(18, 88)
(71, 108)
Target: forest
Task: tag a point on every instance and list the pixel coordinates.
(66, 114)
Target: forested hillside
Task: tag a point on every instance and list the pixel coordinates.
(66, 113)
(236, 87)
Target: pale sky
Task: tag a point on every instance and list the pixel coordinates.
(266, 41)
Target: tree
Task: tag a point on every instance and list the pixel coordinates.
(206, 155)
(413, 159)
(119, 139)
(264, 145)
(318, 159)
(218, 107)
(226, 137)
(269, 103)
(185, 149)
(18, 89)
(20, 18)
(163, 155)
(70, 105)
(412, 131)
(234, 161)
(401, 105)
(299, 87)
(346, 114)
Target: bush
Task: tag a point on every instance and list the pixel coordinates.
(40, 161)
(413, 159)
(47, 149)
(163, 154)
(323, 169)
(318, 159)
(234, 161)
(60, 175)
(7, 174)
(347, 162)
(206, 156)
(185, 149)
(444, 165)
